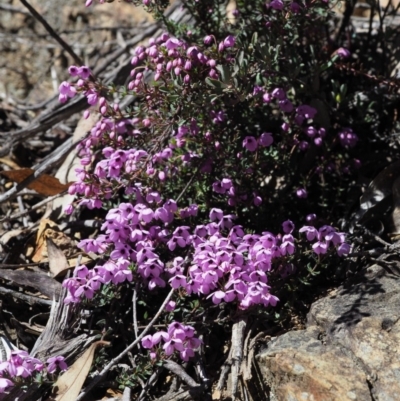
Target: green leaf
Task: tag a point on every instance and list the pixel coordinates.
(225, 73)
(216, 84)
(254, 39)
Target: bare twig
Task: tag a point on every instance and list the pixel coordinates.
(7, 7)
(30, 299)
(206, 382)
(22, 210)
(53, 34)
(224, 371)
(238, 331)
(101, 375)
(180, 372)
(134, 303)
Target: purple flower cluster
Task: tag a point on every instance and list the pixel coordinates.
(68, 90)
(279, 5)
(21, 365)
(294, 117)
(177, 338)
(232, 267)
(132, 232)
(325, 237)
(347, 138)
(251, 143)
(167, 54)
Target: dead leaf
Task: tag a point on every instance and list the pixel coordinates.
(58, 262)
(70, 383)
(49, 229)
(45, 185)
(44, 284)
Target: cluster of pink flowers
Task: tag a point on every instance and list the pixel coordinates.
(251, 143)
(347, 138)
(325, 237)
(20, 365)
(295, 7)
(217, 260)
(168, 54)
(68, 90)
(178, 338)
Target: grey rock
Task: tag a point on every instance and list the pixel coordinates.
(350, 349)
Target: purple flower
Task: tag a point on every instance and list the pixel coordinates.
(343, 53)
(302, 193)
(311, 131)
(172, 345)
(208, 40)
(306, 111)
(178, 281)
(56, 362)
(279, 93)
(216, 214)
(295, 7)
(286, 105)
(276, 4)
(320, 248)
(267, 97)
(170, 306)
(311, 217)
(217, 297)
(311, 232)
(266, 139)
(84, 72)
(287, 247)
(229, 41)
(4, 383)
(250, 143)
(343, 249)
(348, 139)
(73, 70)
(172, 43)
(257, 201)
(288, 226)
(226, 183)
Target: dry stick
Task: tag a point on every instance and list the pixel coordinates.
(179, 371)
(98, 378)
(202, 373)
(26, 211)
(135, 322)
(53, 34)
(43, 122)
(238, 331)
(225, 370)
(22, 209)
(12, 9)
(41, 168)
(30, 299)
